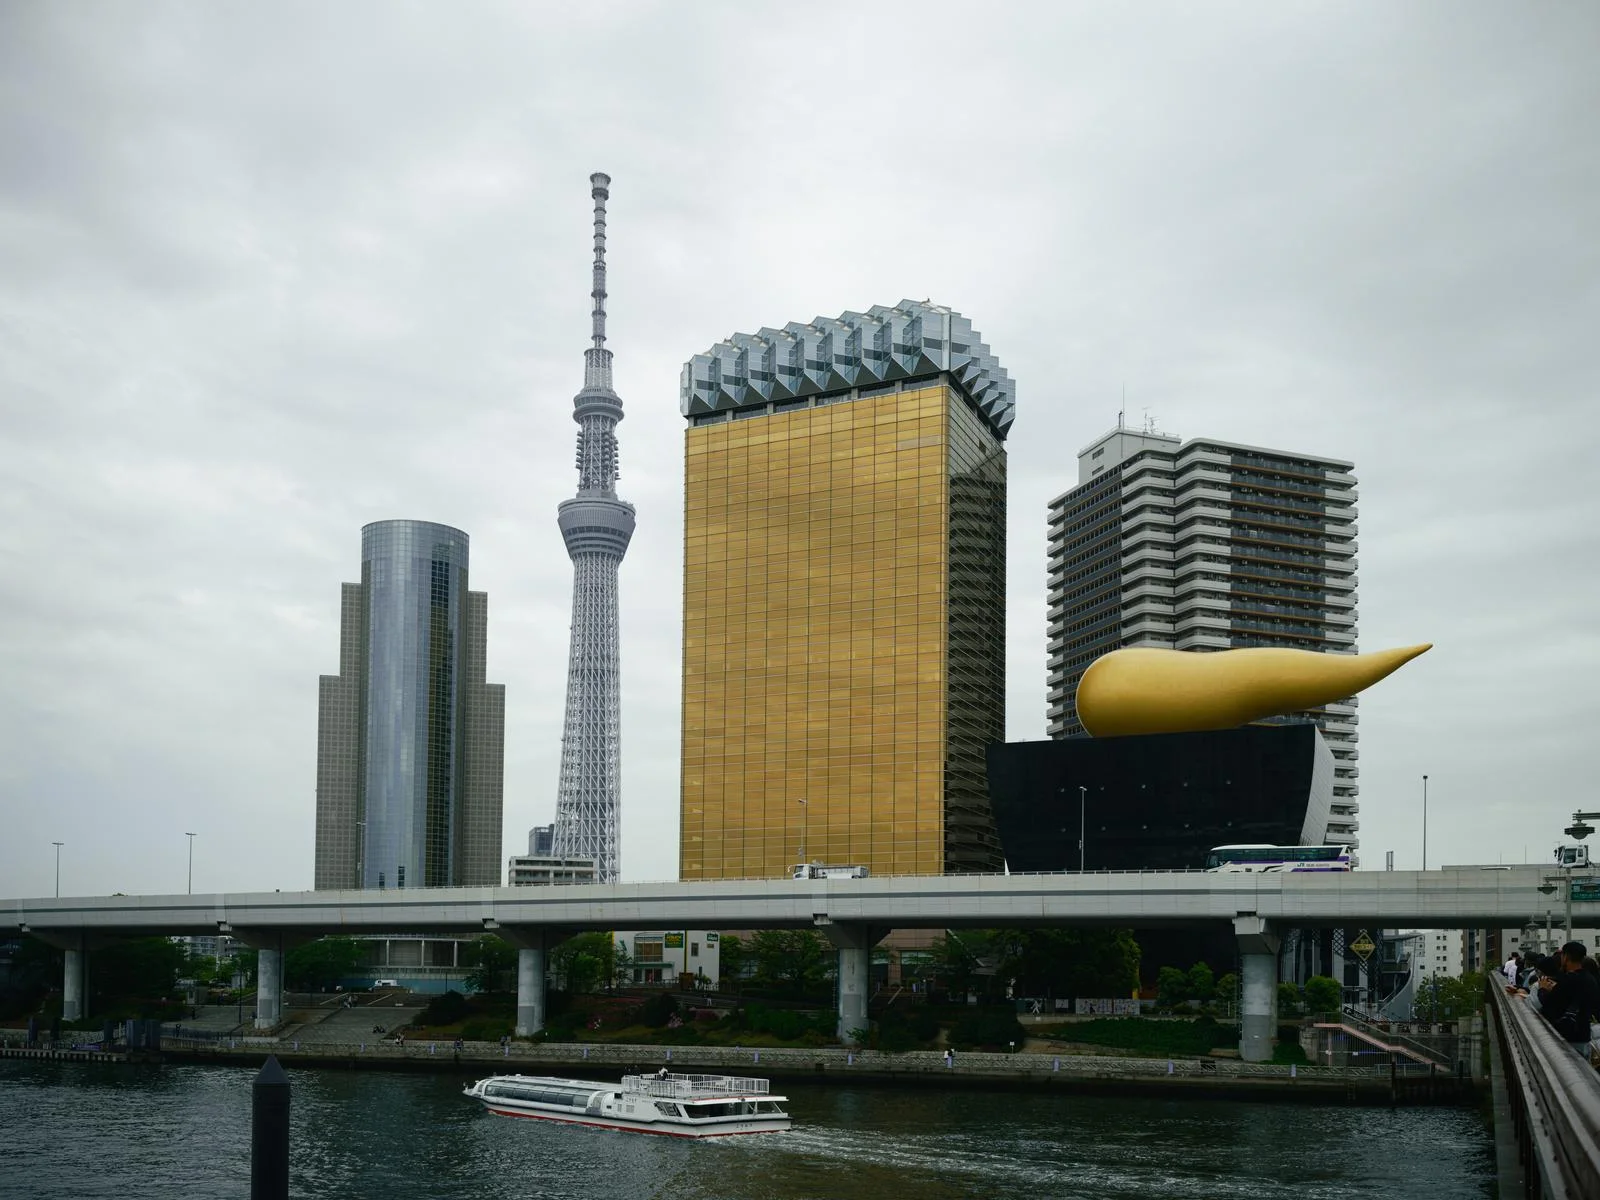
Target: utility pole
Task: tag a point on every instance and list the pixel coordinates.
(1424, 822)
(58, 846)
(1083, 804)
(190, 836)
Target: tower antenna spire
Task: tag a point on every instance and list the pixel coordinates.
(600, 189)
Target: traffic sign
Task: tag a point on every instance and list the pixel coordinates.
(1363, 946)
(1584, 889)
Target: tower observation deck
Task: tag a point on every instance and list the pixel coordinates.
(596, 527)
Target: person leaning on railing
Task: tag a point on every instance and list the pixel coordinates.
(1568, 995)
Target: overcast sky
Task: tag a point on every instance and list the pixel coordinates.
(270, 272)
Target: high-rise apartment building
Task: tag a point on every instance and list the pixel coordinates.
(1205, 545)
(410, 737)
(844, 596)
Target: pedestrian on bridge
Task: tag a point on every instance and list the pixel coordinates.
(1513, 969)
(1569, 996)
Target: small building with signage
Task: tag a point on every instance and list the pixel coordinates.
(678, 958)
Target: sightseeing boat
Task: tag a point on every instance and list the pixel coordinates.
(689, 1106)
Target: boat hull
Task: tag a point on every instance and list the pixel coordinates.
(694, 1132)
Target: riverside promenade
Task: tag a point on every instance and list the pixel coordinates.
(1386, 1084)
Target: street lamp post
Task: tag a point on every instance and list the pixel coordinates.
(58, 846)
(1083, 804)
(190, 836)
(805, 815)
(361, 851)
(1424, 822)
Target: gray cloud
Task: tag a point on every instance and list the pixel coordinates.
(266, 275)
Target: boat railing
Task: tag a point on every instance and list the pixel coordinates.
(689, 1087)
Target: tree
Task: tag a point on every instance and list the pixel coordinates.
(1067, 962)
(134, 972)
(1459, 997)
(585, 963)
(790, 960)
(736, 963)
(1323, 995)
(246, 960)
(1202, 983)
(35, 968)
(1228, 990)
(320, 965)
(1172, 987)
(1289, 999)
(621, 966)
(491, 964)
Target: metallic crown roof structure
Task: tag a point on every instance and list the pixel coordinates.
(596, 527)
(911, 340)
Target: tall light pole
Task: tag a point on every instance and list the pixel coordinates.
(805, 810)
(190, 836)
(1083, 805)
(58, 846)
(361, 852)
(1424, 822)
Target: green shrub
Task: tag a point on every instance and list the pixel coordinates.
(905, 1029)
(658, 1010)
(445, 1009)
(486, 1029)
(995, 1028)
(1287, 1052)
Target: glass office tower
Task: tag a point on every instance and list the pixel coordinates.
(411, 738)
(844, 596)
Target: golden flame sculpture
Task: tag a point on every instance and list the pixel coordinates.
(1145, 690)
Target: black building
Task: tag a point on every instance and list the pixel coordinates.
(1160, 801)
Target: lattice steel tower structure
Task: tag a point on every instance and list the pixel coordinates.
(596, 527)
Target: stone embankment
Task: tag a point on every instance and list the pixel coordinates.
(836, 1065)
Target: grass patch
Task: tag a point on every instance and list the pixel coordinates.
(1142, 1036)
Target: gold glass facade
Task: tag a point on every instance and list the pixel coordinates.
(844, 630)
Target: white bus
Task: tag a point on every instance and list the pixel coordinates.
(1260, 858)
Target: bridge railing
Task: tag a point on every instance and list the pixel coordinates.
(1554, 1096)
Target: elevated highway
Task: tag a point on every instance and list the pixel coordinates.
(852, 913)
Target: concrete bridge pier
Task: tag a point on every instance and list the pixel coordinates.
(269, 987)
(854, 943)
(531, 945)
(74, 986)
(1258, 978)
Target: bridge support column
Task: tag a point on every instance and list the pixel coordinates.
(269, 987)
(73, 985)
(854, 943)
(532, 945)
(1258, 979)
(530, 991)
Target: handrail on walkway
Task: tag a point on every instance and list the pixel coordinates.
(1388, 1040)
(1555, 1100)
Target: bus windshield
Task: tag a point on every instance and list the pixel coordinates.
(1279, 858)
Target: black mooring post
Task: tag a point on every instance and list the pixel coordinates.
(269, 1134)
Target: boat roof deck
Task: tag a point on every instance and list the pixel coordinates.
(695, 1087)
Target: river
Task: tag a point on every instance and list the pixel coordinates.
(72, 1131)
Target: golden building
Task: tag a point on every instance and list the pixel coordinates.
(844, 597)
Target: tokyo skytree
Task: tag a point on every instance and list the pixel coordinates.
(596, 527)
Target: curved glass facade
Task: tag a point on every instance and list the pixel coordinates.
(415, 577)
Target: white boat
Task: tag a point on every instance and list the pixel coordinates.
(691, 1106)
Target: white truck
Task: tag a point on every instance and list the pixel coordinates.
(818, 871)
